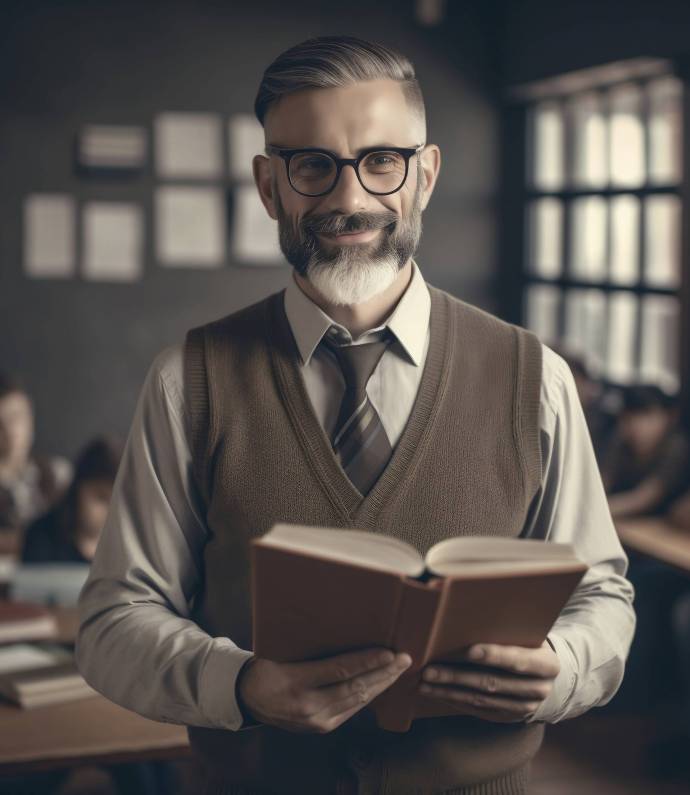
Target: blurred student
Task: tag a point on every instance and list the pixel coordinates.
(597, 404)
(29, 483)
(678, 513)
(645, 465)
(69, 532)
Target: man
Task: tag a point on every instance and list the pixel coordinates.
(359, 397)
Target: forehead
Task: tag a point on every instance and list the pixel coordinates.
(346, 118)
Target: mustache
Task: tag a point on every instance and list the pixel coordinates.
(336, 224)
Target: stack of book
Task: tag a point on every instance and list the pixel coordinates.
(25, 621)
(35, 674)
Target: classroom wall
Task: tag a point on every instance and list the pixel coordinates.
(540, 38)
(84, 348)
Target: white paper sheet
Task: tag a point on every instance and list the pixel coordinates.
(112, 146)
(49, 236)
(190, 226)
(245, 139)
(113, 241)
(23, 657)
(188, 146)
(254, 232)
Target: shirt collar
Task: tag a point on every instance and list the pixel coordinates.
(408, 322)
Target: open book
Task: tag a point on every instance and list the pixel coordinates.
(318, 591)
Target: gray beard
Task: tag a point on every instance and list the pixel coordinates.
(351, 274)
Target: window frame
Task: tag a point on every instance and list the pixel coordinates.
(515, 274)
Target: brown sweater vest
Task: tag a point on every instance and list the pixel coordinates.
(467, 463)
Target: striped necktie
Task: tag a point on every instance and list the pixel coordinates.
(359, 440)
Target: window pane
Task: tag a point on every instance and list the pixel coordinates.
(662, 241)
(541, 311)
(620, 354)
(585, 326)
(660, 337)
(589, 130)
(625, 223)
(588, 245)
(547, 146)
(626, 142)
(544, 237)
(665, 122)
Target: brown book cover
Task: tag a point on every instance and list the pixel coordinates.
(317, 592)
(25, 621)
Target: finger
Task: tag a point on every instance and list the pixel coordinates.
(489, 680)
(475, 700)
(362, 689)
(518, 659)
(344, 710)
(342, 667)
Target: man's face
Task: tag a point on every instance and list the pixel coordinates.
(349, 244)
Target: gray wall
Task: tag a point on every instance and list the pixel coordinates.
(541, 38)
(84, 348)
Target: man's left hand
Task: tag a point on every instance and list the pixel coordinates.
(505, 684)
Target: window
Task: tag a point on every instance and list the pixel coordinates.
(601, 260)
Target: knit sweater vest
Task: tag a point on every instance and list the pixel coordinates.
(468, 463)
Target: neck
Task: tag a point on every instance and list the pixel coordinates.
(358, 318)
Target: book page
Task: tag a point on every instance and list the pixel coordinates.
(372, 550)
(24, 656)
(457, 554)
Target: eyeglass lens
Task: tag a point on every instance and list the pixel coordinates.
(313, 173)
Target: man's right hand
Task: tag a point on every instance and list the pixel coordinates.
(316, 696)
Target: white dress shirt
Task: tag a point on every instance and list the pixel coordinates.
(137, 644)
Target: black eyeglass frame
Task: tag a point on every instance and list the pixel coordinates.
(340, 162)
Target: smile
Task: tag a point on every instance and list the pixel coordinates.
(349, 238)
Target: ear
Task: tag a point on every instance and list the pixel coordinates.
(431, 165)
(261, 167)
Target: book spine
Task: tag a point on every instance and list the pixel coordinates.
(394, 708)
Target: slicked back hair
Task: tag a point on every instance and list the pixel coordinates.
(336, 61)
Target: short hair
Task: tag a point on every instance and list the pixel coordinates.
(332, 62)
(11, 384)
(99, 460)
(644, 397)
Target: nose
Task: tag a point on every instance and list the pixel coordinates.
(348, 196)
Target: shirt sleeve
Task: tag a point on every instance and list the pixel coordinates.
(137, 644)
(593, 633)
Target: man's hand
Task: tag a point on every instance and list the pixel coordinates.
(505, 684)
(317, 696)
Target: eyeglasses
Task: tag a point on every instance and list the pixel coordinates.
(315, 172)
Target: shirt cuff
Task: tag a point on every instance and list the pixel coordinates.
(553, 708)
(217, 685)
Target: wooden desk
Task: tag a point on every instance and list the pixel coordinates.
(88, 731)
(656, 538)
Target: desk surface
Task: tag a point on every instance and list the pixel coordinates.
(657, 538)
(89, 731)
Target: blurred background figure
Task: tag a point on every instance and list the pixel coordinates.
(69, 531)
(645, 466)
(29, 483)
(599, 404)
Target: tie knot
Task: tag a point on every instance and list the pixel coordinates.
(358, 362)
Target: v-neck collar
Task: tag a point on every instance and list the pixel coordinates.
(355, 509)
